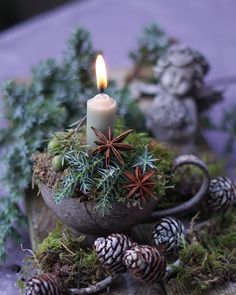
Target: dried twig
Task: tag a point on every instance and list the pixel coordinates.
(64, 246)
(34, 256)
(93, 288)
(79, 123)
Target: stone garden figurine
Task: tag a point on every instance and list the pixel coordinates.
(181, 95)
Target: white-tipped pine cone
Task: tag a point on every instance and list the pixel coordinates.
(145, 263)
(221, 193)
(110, 251)
(45, 284)
(168, 234)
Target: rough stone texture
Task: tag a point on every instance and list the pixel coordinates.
(83, 216)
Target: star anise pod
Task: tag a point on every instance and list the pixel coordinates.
(140, 183)
(111, 145)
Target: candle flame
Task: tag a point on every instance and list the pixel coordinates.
(101, 73)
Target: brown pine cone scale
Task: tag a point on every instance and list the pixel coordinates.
(45, 284)
(110, 251)
(145, 263)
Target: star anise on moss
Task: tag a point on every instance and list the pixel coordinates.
(140, 183)
(110, 145)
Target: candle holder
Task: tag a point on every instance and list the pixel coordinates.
(105, 190)
(114, 186)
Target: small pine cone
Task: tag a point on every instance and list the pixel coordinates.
(45, 284)
(145, 263)
(221, 193)
(168, 234)
(110, 251)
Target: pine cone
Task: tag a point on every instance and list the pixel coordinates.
(168, 233)
(221, 193)
(145, 263)
(110, 251)
(45, 284)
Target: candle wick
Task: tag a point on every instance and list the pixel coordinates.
(101, 90)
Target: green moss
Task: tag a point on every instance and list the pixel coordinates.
(210, 258)
(187, 179)
(66, 256)
(86, 173)
(52, 241)
(137, 139)
(21, 285)
(66, 141)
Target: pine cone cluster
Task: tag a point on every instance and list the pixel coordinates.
(145, 263)
(221, 193)
(110, 251)
(45, 284)
(168, 233)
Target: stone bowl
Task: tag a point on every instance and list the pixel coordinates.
(84, 218)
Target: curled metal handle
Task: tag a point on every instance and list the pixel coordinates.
(195, 201)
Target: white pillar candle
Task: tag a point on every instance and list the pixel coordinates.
(101, 109)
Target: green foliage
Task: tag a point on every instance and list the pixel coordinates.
(86, 175)
(151, 45)
(44, 105)
(146, 160)
(109, 187)
(52, 241)
(80, 172)
(9, 216)
(62, 251)
(55, 97)
(63, 254)
(210, 258)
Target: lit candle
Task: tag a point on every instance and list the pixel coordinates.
(101, 109)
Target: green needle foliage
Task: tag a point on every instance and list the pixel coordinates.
(54, 98)
(146, 160)
(152, 43)
(80, 171)
(33, 110)
(86, 176)
(9, 216)
(109, 185)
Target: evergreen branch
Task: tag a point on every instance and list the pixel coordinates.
(67, 187)
(110, 185)
(152, 43)
(145, 161)
(79, 175)
(10, 215)
(84, 167)
(47, 104)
